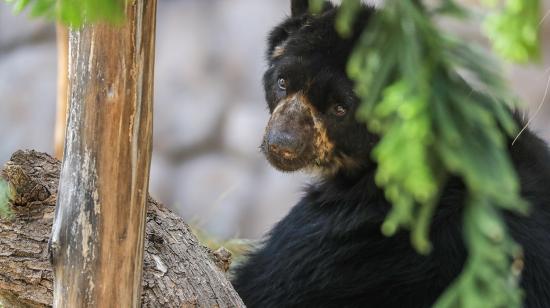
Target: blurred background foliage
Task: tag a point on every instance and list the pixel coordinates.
(434, 122)
(514, 30)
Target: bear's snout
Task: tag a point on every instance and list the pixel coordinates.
(288, 140)
(287, 146)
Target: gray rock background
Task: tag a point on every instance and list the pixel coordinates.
(209, 108)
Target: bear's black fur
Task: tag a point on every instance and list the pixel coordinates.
(329, 250)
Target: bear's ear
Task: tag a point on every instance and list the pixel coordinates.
(281, 33)
(278, 37)
(301, 7)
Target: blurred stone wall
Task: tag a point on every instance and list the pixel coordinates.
(209, 108)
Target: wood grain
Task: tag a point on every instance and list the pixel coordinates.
(62, 89)
(178, 271)
(98, 234)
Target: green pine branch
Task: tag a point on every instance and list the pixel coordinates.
(435, 124)
(73, 13)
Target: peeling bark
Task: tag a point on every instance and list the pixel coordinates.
(62, 89)
(99, 225)
(177, 271)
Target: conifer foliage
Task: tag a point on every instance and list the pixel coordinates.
(434, 123)
(73, 12)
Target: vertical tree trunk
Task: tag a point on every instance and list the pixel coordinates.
(98, 233)
(62, 84)
(177, 270)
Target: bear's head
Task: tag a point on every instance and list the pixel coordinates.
(310, 97)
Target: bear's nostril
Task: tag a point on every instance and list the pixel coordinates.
(284, 152)
(287, 154)
(284, 145)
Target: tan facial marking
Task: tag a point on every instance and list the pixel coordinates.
(348, 162)
(278, 51)
(323, 148)
(288, 104)
(321, 141)
(279, 109)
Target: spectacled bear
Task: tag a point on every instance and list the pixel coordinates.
(329, 250)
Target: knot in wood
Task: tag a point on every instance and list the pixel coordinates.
(222, 258)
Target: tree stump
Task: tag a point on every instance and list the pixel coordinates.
(178, 271)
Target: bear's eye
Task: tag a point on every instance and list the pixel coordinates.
(339, 110)
(282, 83)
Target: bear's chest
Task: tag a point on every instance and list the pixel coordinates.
(341, 256)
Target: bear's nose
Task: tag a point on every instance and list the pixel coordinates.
(284, 145)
